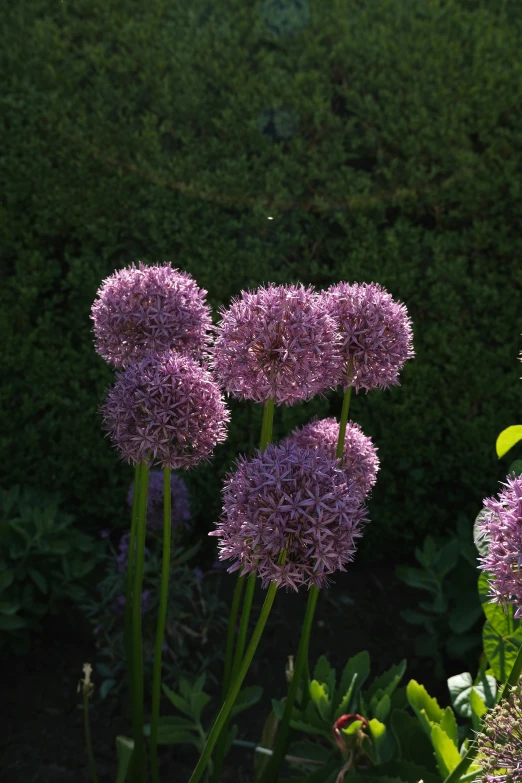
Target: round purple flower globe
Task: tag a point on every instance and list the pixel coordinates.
(360, 461)
(278, 342)
(502, 526)
(179, 500)
(149, 308)
(287, 498)
(376, 333)
(165, 410)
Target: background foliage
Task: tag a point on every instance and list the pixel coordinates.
(384, 140)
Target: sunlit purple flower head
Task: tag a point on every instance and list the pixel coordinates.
(179, 500)
(277, 342)
(149, 308)
(376, 332)
(286, 498)
(165, 410)
(499, 743)
(502, 526)
(359, 461)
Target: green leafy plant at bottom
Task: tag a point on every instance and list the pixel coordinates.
(43, 561)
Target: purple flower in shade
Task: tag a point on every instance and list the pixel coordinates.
(277, 342)
(360, 461)
(179, 499)
(376, 332)
(502, 526)
(499, 744)
(149, 308)
(165, 410)
(123, 557)
(293, 499)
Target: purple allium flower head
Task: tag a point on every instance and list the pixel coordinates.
(376, 332)
(277, 342)
(360, 461)
(294, 499)
(179, 500)
(499, 744)
(502, 525)
(149, 308)
(165, 410)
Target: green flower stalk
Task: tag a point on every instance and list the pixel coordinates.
(162, 620)
(139, 754)
(130, 573)
(236, 686)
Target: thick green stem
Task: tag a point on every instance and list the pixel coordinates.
(343, 422)
(162, 621)
(238, 657)
(272, 770)
(139, 754)
(88, 742)
(231, 632)
(127, 632)
(236, 685)
(266, 438)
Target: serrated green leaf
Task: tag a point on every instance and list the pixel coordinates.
(478, 709)
(319, 697)
(388, 681)
(507, 439)
(425, 706)
(414, 745)
(382, 742)
(449, 725)
(382, 708)
(446, 753)
(354, 676)
(325, 674)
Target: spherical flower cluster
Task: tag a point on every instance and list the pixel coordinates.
(360, 461)
(502, 525)
(376, 333)
(278, 342)
(179, 500)
(499, 745)
(149, 308)
(165, 410)
(291, 499)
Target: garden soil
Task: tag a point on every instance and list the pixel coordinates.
(41, 736)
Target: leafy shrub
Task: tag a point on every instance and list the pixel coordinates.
(195, 615)
(128, 134)
(44, 559)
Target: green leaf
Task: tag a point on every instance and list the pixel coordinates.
(247, 698)
(515, 468)
(8, 608)
(382, 708)
(177, 701)
(388, 681)
(267, 741)
(461, 687)
(38, 579)
(325, 674)
(11, 622)
(198, 702)
(507, 439)
(382, 742)
(447, 557)
(407, 770)
(446, 752)
(478, 709)
(319, 696)
(354, 676)
(414, 744)
(449, 725)
(501, 621)
(106, 687)
(414, 577)
(501, 651)
(425, 706)
(413, 617)
(6, 579)
(124, 750)
(173, 730)
(306, 750)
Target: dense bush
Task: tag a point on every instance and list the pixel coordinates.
(383, 139)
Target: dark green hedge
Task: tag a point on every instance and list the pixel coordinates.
(383, 137)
